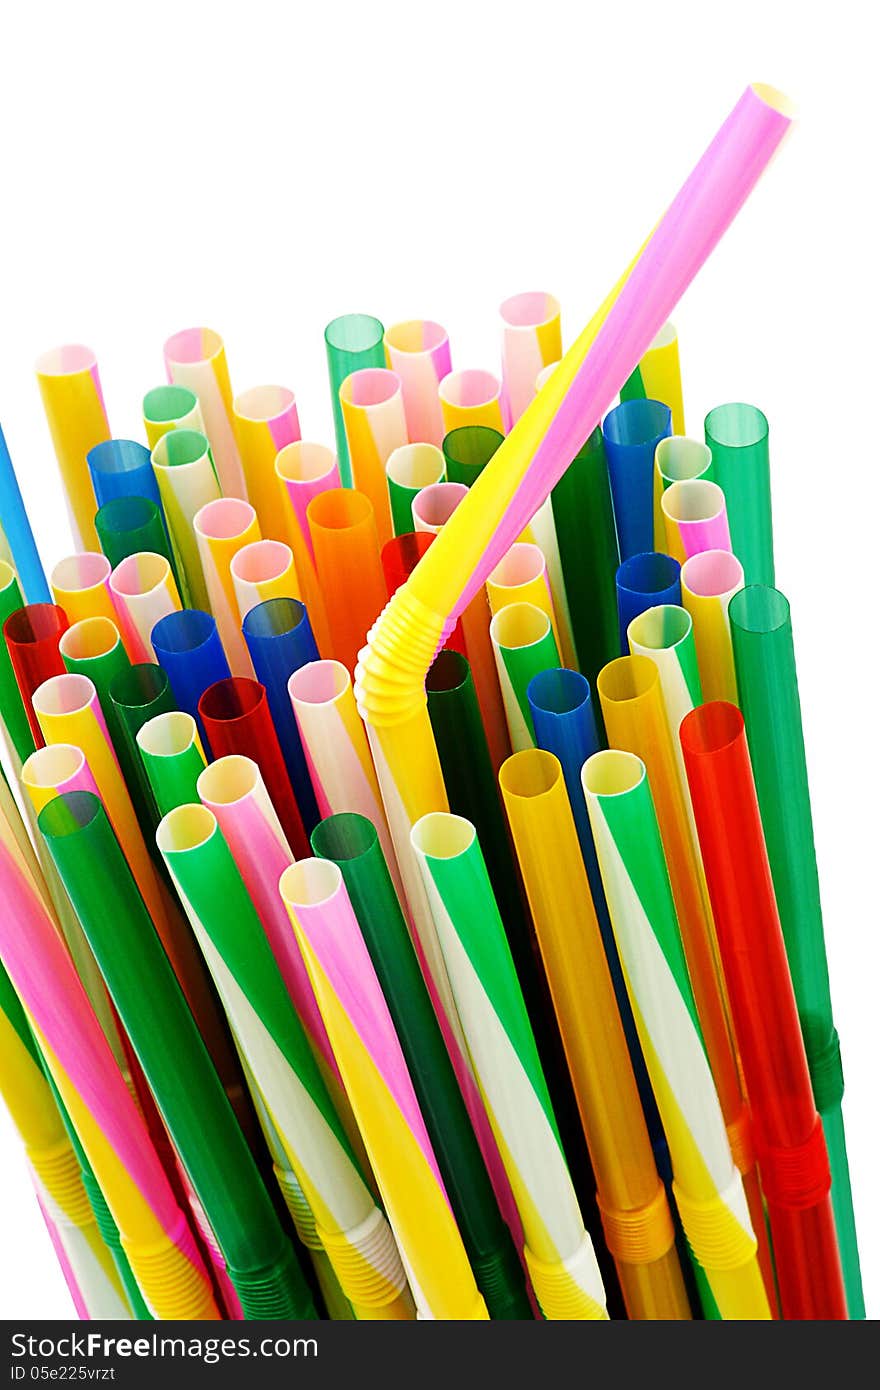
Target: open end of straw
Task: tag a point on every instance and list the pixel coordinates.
(638, 422)
(519, 625)
(469, 388)
(530, 773)
(679, 458)
(772, 96)
(168, 734)
(67, 360)
(661, 628)
(530, 310)
(224, 519)
(77, 573)
(712, 574)
(319, 683)
(711, 728)
(63, 695)
(183, 631)
(759, 609)
(264, 403)
(441, 835)
(404, 552)
(310, 882)
(88, 639)
(559, 691)
(449, 671)
(185, 828)
(353, 333)
(116, 456)
(611, 773)
(304, 463)
(34, 623)
(695, 499)
(339, 508)
(274, 617)
(371, 386)
(228, 780)
(193, 345)
(649, 573)
(261, 561)
(140, 573)
(53, 765)
(178, 448)
(472, 446)
(234, 697)
(7, 575)
(627, 678)
(736, 425)
(416, 465)
(344, 836)
(164, 404)
(415, 335)
(522, 563)
(123, 514)
(434, 505)
(138, 686)
(666, 335)
(69, 813)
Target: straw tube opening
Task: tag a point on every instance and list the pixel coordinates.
(559, 690)
(68, 360)
(441, 835)
(529, 773)
(694, 499)
(449, 671)
(274, 617)
(416, 465)
(370, 386)
(89, 638)
(234, 697)
(167, 734)
(711, 728)
(302, 462)
(434, 505)
(228, 780)
(651, 572)
(262, 403)
(260, 561)
(353, 333)
(164, 404)
(627, 678)
(737, 425)
(310, 882)
(679, 458)
(470, 388)
(636, 422)
(87, 570)
(660, 628)
(532, 309)
(612, 772)
(68, 694)
(185, 828)
(53, 765)
(415, 335)
(140, 574)
(178, 448)
(758, 609)
(184, 631)
(319, 682)
(339, 508)
(224, 518)
(345, 835)
(69, 813)
(138, 685)
(523, 563)
(192, 345)
(712, 574)
(519, 625)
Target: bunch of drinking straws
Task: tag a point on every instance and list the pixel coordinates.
(408, 905)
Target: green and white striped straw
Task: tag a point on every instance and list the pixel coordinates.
(523, 644)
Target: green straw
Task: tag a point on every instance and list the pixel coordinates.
(766, 673)
(352, 341)
(350, 841)
(137, 695)
(738, 436)
(172, 759)
(260, 1259)
(523, 645)
(584, 518)
(12, 712)
(128, 525)
(467, 450)
(408, 470)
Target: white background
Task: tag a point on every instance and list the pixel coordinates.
(263, 167)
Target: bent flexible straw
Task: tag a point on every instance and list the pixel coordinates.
(345, 541)
(471, 397)
(279, 638)
(14, 719)
(304, 470)
(336, 750)
(336, 1199)
(375, 425)
(126, 525)
(17, 527)
(352, 341)
(143, 591)
(763, 649)
(467, 450)
(73, 401)
(380, 1090)
(408, 469)
(221, 528)
(188, 648)
(631, 432)
(645, 581)
(187, 480)
(657, 377)
(153, 1229)
(523, 643)
(558, 1251)
(521, 576)
(260, 571)
(171, 408)
(791, 1155)
(635, 1214)
(32, 635)
(81, 586)
(236, 719)
(708, 583)
(350, 841)
(695, 518)
(260, 1260)
(738, 438)
(418, 351)
(708, 1188)
(265, 420)
(196, 358)
(531, 339)
(677, 459)
(172, 756)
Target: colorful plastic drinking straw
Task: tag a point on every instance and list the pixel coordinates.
(432, 506)
(188, 647)
(380, 1090)
(93, 648)
(350, 841)
(260, 571)
(81, 586)
(345, 542)
(352, 341)
(121, 468)
(471, 397)
(738, 437)
(467, 450)
(14, 719)
(279, 638)
(631, 432)
(171, 408)
(708, 583)
(337, 753)
(221, 529)
(521, 576)
(708, 1187)
(143, 591)
(658, 376)
(375, 425)
(635, 1213)
(531, 338)
(558, 1251)
(523, 643)
(763, 649)
(187, 480)
(677, 459)
(542, 532)
(351, 1228)
(418, 351)
(792, 1157)
(665, 635)
(408, 469)
(196, 358)
(695, 518)
(138, 694)
(153, 1229)
(260, 1260)
(126, 525)
(172, 756)
(304, 470)
(265, 420)
(70, 389)
(644, 581)
(235, 715)
(17, 527)
(31, 636)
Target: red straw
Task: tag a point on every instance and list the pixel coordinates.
(400, 556)
(792, 1159)
(32, 636)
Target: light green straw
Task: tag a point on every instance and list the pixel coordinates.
(523, 644)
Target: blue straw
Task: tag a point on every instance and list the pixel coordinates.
(189, 650)
(632, 431)
(644, 581)
(17, 529)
